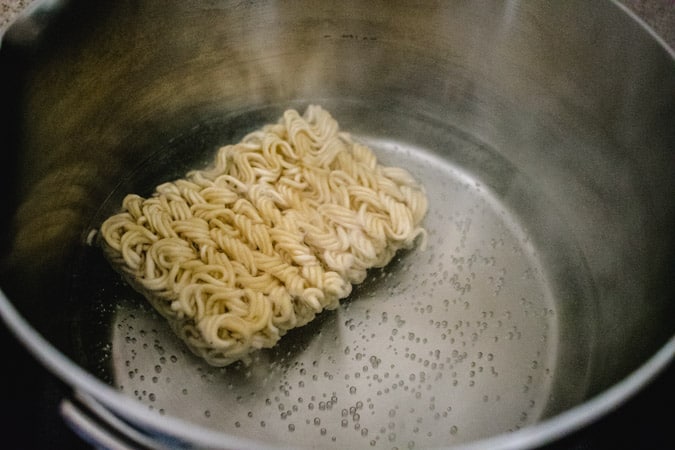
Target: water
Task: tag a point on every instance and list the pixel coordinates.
(446, 345)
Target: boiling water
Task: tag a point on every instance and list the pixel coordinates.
(445, 345)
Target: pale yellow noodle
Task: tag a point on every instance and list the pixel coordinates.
(274, 232)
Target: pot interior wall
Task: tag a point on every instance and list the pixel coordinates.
(546, 130)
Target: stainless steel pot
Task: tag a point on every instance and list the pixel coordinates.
(542, 131)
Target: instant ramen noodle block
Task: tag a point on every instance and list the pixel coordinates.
(277, 229)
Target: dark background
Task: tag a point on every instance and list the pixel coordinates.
(29, 417)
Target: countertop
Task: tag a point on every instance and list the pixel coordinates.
(29, 414)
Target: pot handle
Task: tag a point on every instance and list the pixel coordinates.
(101, 428)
